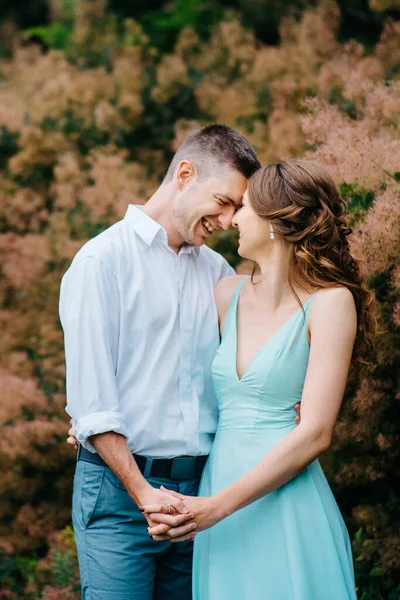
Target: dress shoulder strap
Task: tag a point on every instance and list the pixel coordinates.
(307, 304)
(300, 321)
(231, 314)
(239, 286)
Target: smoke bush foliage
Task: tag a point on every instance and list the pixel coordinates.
(87, 130)
(362, 153)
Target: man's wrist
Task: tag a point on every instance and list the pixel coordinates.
(139, 491)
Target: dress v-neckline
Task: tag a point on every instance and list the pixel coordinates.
(274, 335)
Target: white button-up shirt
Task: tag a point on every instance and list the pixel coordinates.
(141, 331)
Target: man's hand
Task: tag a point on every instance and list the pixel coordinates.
(297, 409)
(71, 439)
(179, 517)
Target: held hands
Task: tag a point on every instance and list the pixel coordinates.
(171, 509)
(203, 515)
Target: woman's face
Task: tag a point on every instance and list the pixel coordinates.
(254, 231)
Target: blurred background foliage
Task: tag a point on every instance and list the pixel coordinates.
(94, 100)
(162, 22)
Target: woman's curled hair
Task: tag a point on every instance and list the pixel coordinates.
(302, 203)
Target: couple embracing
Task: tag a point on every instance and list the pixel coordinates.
(182, 374)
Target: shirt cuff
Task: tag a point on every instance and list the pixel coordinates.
(99, 422)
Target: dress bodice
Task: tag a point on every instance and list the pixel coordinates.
(273, 382)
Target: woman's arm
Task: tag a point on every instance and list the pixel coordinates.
(332, 326)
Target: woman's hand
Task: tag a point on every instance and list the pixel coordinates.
(205, 515)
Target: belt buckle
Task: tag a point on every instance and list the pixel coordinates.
(183, 467)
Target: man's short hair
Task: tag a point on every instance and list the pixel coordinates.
(213, 147)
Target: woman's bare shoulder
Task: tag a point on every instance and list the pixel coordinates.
(225, 288)
(223, 292)
(334, 306)
(338, 296)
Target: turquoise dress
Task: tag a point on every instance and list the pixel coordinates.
(291, 544)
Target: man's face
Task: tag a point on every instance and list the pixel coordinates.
(208, 204)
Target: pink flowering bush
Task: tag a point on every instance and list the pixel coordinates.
(362, 152)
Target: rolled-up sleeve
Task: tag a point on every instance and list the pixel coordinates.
(89, 314)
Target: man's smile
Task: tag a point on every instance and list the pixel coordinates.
(207, 225)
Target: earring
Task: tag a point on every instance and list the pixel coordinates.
(272, 235)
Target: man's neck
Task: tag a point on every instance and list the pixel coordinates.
(159, 208)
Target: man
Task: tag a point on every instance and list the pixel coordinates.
(141, 332)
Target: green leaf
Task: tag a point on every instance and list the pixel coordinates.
(55, 35)
(358, 200)
(376, 572)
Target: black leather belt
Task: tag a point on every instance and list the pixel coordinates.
(180, 467)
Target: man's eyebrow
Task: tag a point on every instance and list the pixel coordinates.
(228, 199)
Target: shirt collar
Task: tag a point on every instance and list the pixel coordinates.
(148, 229)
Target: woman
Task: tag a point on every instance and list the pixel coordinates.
(271, 528)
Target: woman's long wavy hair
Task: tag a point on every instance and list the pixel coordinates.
(303, 205)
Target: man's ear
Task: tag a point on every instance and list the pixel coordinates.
(185, 173)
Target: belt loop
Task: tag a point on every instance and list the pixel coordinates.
(147, 469)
